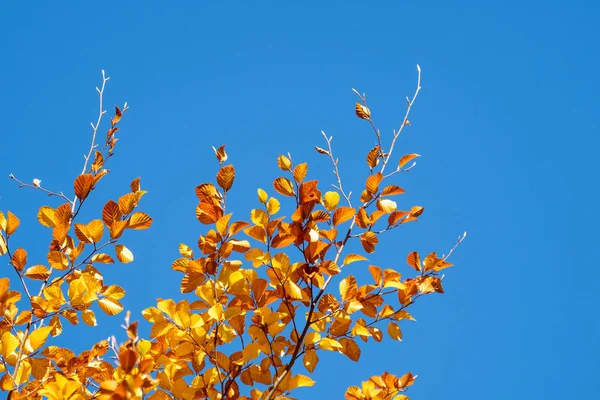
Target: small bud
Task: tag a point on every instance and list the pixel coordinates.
(36, 182)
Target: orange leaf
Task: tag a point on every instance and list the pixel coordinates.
(373, 181)
(46, 216)
(138, 221)
(342, 215)
(405, 159)
(12, 223)
(392, 190)
(225, 177)
(350, 258)
(37, 272)
(19, 259)
(221, 154)
(284, 163)
(414, 260)
(284, 186)
(111, 213)
(83, 186)
(127, 203)
(300, 172)
(58, 260)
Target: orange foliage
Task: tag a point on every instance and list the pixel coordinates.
(266, 295)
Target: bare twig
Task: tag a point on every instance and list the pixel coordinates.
(39, 187)
(404, 121)
(336, 170)
(460, 239)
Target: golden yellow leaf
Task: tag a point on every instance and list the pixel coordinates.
(262, 196)
(225, 177)
(95, 230)
(284, 163)
(38, 337)
(3, 247)
(138, 221)
(416, 211)
(342, 215)
(350, 258)
(377, 274)
(83, 185)
(407, 158)
(2, 221)
(273, 206)
(144, 347)
(123, 254)
(8, 345)
(348, 288)
(284, 186)
(39, 368)
(23, 373)
(12, 223)
(46, 216)
(310, 360)
(330, 344)
(185, 251)
(19, 259)
(300, 172)
(58, 260)
(222, 224)
(331, 200)
(37, 272)
(299, 381)
(88, 317)
(127, 203)
(396, 216)
(394, 331)
(362, 112)
(102, 258)
(110, 306)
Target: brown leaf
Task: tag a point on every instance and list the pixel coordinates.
(111, 213)
(221, 154)
(392, 190)
(322, 151)
(117, 117)
(373, 157)
(135, 185)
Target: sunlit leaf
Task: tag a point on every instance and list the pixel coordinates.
(37, 272)
(406, 159)
(342, 215)
(225, 177)
(123, 254)
(83, 185)
(139, 220)
(284, 186)
(362, 112)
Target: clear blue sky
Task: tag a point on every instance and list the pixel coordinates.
(506, 123)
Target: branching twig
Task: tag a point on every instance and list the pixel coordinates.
(336, 170)
(39, 187)
(404, 121)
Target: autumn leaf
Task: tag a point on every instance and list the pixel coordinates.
(12, 223)
(406, 159)
(300, 172)
(284, 163)
(225, 177)
(220, 153)
(362, 111)
(83, 186)
(284, 186)
(139, 221)
(342, 215)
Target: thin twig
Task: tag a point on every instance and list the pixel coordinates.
(460, 239)
(336, 171)
(39, 187)
(404, 121)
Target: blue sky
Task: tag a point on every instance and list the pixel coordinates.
(506, 123)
